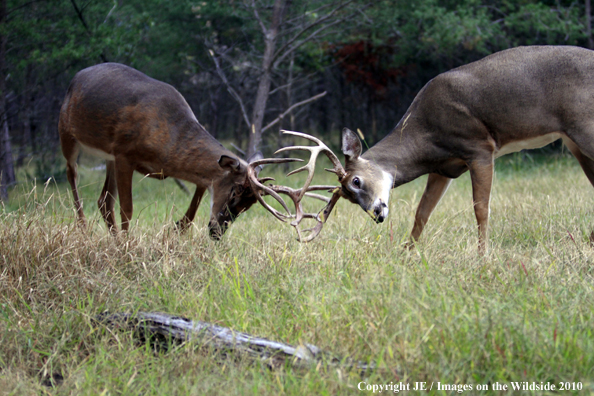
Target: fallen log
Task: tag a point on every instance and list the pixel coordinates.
(179, 329)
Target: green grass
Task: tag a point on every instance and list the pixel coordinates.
(438, 312)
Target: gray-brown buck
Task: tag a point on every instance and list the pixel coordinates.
(520, 98)
(140, 124)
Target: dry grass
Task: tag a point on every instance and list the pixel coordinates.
(436, 313)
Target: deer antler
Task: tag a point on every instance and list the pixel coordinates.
(315, 151)
(297, 195)
(300, 214)
(260, 189)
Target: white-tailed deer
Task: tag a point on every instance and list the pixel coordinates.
(140, 124)
(462, 120)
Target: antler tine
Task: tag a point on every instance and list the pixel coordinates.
(267, 190)
(318, 196)
(315, 151)
(321, 188)
(258, 187)
(338, 168)
(300, 214)
(266, 161)
(321, 217)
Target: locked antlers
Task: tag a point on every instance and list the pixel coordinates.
(315, 151)
(297, 195)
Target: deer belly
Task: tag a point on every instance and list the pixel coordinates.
(527, 144)
(97, 153)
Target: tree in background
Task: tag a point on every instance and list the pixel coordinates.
(274, 34)
(7, 176)
(268, 56)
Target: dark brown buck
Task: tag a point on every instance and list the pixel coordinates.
(462, 120)
(140, 124)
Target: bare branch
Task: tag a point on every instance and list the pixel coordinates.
(80, 16)
(115, 4)
(303, 102)
(286, 49)
(230, 89)
(304, 78)
(10, 11)
(82, 19)
(305, 15)
(308, 38)
(239, 150)
(257, 15)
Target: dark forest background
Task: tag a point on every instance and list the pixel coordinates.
(248, 68)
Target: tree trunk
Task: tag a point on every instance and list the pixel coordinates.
(270, 36)
(589, 24)
(7, 176)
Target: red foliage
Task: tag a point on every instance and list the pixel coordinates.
(367, 66)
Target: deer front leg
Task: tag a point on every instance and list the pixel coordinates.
(481, 176)
(185, 221)
(123, 174)
(436, 187)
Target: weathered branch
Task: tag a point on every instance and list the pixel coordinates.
(230, 89)
(179, 329)
(294, 106)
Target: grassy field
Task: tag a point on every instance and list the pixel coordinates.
(436, 313)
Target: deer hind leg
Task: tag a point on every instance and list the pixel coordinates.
(185, 221)
(108, 196)
(436, 187)
(586, 162)
(481, 176)
(123, 176)
(71, 149)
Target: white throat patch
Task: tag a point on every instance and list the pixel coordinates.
(384, 197)
(387, 184)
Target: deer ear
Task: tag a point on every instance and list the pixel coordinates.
(351, 145)
(229, 163)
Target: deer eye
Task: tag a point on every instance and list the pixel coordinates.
(357, 182)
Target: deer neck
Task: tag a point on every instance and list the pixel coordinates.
(197, 155)
(405, 153)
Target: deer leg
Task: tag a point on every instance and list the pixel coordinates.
(123, 175)
(436, 187)
(185, 221)
(586, 163)
(481, 176)
(108, 196)
(70, 149)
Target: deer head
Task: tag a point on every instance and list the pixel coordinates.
(232, 195)
(362, 181)
(365, 183)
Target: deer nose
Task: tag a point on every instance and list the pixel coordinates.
(380, 212)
